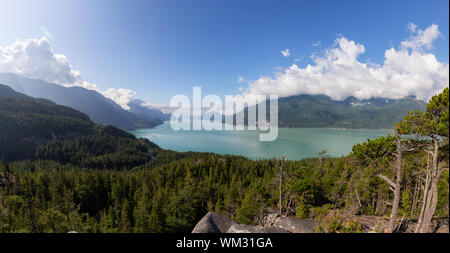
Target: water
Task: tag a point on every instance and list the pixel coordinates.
(296, 143)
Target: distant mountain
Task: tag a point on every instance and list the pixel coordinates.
(137, 107)
(99, 108)
(40, 129)
(8, 92)
(314, 111)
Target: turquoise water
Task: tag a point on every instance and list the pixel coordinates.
(296, 143)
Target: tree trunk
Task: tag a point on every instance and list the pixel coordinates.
(281, 186)
(430, 193)
(426, 226)
(396, 202)
(426, 191)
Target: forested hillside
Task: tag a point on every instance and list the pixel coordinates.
(40, 129)
(109, 181)
(46, 196)
(26, 123)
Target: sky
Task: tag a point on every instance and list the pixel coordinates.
(153, 50)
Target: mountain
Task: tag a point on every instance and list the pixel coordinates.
(26, 123)
(137, 107)
(314, 111)
(7, 92)
(99, 108)
(33, 129)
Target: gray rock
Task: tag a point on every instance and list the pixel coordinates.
(296, 225)
(272, 223)
(213, 223)
(242, 228)
(291, 224)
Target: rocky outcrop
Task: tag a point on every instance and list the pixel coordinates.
(272, 223)
(214, 223)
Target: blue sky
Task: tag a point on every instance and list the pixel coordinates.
(163, 48)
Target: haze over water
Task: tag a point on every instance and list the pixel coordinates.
(296, 143)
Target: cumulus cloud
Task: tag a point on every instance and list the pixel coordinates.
(34, 58)
(285, 52)
(421, 38)
(121, 96)
(240, 79)
(338, 73)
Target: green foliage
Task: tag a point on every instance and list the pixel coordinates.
(320, 211)
(377, 152)
(434, 122)
(336, 223)
(301, 211)
(443, 195)
(249, 209)
(406, 203)
(108, 147)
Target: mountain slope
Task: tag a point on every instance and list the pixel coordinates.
(99, 108)
(40, 129)
(315, 111)
(153, 115)
(26, 123)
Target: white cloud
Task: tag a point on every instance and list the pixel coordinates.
(240, 79)
(316, 44)
(412, 27)
(338, 73)
(285, 52)
(34, 58)
(121, 96)
(421, 39)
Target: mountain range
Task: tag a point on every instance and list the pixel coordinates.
(320, 111)
(100, 109)
(302, 111)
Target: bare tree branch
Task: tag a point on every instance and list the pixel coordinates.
(386, 179)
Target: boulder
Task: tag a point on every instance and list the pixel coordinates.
(272, 223)
(213, 223)
(296, 225)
